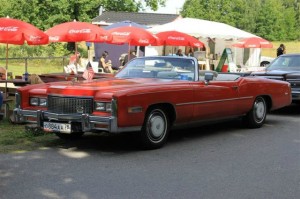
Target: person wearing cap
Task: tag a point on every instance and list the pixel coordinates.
(131, 56)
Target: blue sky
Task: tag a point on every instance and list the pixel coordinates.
(172, 7)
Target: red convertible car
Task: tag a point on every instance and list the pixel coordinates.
(151, 95)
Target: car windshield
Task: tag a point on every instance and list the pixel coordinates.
(285, 63)
(160, 67)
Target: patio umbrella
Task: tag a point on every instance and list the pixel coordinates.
(131, 35)
(14, 31)
(175, 38)
(120, 49)
(76, 32)
(253, 42)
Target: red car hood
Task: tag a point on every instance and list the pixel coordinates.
(108, 86)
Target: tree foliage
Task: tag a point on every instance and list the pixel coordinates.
(271, 19)
(47, 13)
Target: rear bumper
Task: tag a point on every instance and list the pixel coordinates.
(88, 122)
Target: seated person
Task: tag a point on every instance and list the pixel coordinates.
(179, 52)
(131, 56)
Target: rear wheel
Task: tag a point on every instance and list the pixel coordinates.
(71, 136)
(256, 117)
(155, 129)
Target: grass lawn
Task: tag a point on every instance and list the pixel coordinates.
(34, 66)
(291, 47)
(14, 138)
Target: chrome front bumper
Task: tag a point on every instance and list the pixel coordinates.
(88, 122)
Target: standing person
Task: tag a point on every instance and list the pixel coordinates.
(106, 66)
(131, 56)
(281, 50)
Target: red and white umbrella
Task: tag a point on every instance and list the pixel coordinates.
(14, 31)
(175, 38)
(131, 35)
(76, 32)
(253, 42)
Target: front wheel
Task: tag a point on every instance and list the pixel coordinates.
(256, 117)
(155, 129)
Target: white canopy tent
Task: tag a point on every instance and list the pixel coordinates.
(203, 29)
(223, 34)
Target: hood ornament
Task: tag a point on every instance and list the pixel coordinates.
(75, 79)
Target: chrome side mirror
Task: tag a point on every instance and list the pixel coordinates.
(208, 77)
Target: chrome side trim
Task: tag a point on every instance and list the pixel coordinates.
(213, 101)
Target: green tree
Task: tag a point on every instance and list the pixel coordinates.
(216, 10)
(277, 21)
(245, 14)
(271, 19)
(47, 13)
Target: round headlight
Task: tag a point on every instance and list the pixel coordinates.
(34, 101)
(100, 106)
(43, 102)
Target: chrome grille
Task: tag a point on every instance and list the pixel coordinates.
(69, 105)
(295, 83)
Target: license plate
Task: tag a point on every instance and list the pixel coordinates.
(57, 127)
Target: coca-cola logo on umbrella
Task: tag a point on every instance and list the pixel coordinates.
(9, 29)
(74, 31)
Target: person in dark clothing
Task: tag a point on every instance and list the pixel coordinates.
(281, 50)
(179, 52)
(131, 56)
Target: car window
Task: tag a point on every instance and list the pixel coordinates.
(160, 67)
(227, 77)
(285, 63)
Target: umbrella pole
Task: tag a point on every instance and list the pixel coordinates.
(6, 67)
(76, 64)
(26, 65)
(128, 52)
(138, 51)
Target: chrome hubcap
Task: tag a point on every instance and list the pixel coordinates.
(260, 110)
(157, 126)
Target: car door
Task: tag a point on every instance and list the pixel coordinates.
(218, 99)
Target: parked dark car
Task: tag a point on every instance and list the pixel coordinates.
(286, 68)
